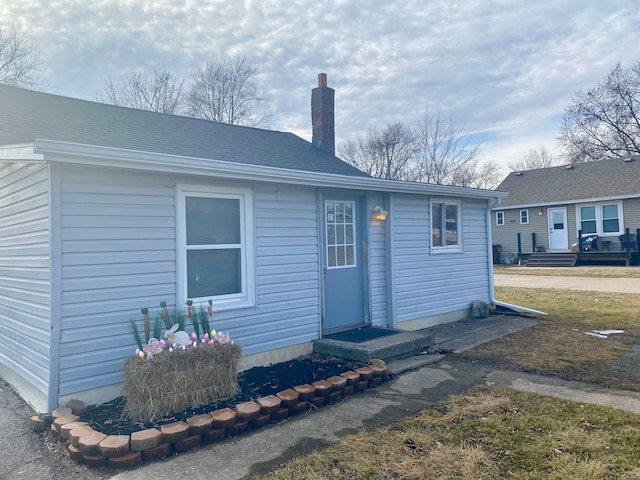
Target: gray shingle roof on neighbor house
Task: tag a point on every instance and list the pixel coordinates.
(602, 179)
(26, 115)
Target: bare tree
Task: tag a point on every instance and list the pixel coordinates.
(158, 91)
(383, 153)
(477, 175)
(445, 153)
(228, 90)
(19, 57)
(535, 158)
(604, 121)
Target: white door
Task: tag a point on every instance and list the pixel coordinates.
(558, 236)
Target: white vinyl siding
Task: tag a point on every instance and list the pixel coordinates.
(25, 276)
(436, 284)
(378, 266)
(119, 255)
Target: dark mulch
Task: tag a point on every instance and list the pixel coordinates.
(254, 383)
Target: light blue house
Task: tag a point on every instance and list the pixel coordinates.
(104, 210)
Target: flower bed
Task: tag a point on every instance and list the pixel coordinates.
(87, 445)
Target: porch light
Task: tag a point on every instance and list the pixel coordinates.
(540, 212)
(379, 213)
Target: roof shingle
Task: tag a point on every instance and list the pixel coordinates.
(26, 115)
(602, 179)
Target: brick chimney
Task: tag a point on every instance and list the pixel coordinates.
(322, 116)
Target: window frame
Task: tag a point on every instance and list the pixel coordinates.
(599, 218)
(500, 218)
(526, 212)
(437, 249)
(246, 297)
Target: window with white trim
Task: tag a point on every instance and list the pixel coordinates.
(499, 218)
(215, 245)
(524, 217)
(601, 219)
(445, 225)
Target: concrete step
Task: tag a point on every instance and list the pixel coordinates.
(399, 345)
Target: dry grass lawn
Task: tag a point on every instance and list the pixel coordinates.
(491, 433)
(560, 346)
(486, 434)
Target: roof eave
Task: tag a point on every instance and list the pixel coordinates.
(20, 152)
(56, 151)
(575, 201)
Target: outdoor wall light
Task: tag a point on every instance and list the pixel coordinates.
(379, 213)
(540, 212)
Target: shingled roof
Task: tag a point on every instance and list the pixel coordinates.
(27, 115)
(615, 177)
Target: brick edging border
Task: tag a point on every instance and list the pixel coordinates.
(96, 449)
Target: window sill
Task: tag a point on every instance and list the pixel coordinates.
(445, 250)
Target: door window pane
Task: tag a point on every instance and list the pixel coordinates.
(557, 218)
(340, 234)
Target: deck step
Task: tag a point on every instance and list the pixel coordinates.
(552, 260)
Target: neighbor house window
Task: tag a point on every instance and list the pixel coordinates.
(445, 225)
(610, 221)
(499, 218)
(524, 217)
(215, 242)
(602, 219)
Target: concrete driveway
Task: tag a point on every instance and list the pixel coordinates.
(621, 285)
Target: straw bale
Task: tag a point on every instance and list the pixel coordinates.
(173, 381)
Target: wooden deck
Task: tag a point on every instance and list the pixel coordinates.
(589, 258)
(547, 259)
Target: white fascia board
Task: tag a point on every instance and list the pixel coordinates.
(580, 201)
(21, 152)
(55, 151)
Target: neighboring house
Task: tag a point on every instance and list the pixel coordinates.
(105, 210)
(549, 206)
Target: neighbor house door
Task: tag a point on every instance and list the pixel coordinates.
(343, 265)
(558, 236)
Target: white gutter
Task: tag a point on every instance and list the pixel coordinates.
(65, 152)
(570, 201)
(516, 308)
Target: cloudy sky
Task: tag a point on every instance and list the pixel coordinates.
(502, 69)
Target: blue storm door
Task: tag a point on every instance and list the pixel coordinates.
(343, 268)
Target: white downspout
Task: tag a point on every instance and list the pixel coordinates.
(517, 308)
